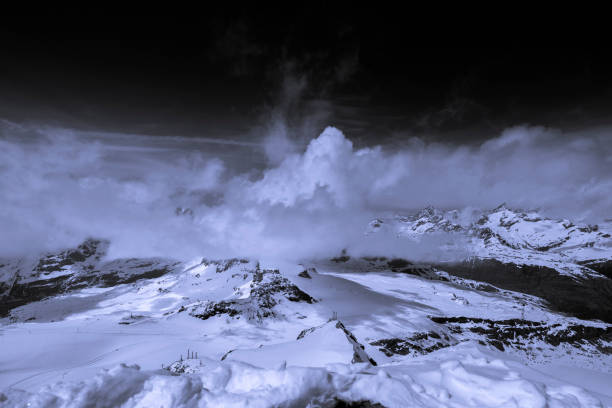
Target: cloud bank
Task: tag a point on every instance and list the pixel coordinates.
(58, 187)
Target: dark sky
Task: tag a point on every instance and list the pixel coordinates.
(222, 75)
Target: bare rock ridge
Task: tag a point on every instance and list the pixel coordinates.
(359, 353)
(587, 298)
(267, 289)
(565, 264)
(23, 281)
(519, 335)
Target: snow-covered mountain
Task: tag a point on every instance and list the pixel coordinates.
(524, 238)
(23, 280)
(567, 265)
(523, 321)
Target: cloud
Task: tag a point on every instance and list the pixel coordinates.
(530, 167)
(60, 186)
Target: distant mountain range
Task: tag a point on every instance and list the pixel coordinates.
(531, 291)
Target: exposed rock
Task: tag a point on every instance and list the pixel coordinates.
(510, 246)
(520, 334)
(338, 403)
(359, 353)
(589, 298)
(342, 258)
(515, 334)
(186, 366)
(73, 269)
(397, 263)
(603, 266)
(418, 344)
(268, 289)
(305, 274)
(224, 265)
(91, 248)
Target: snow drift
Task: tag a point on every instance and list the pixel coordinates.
(474, 381)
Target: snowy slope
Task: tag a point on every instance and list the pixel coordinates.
(465, 378)
(23, 280)
(567, 265)
(512, 236)
(384, 331)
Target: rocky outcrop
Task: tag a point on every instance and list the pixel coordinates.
(588, 298)
(359, 353)
(72, 269)
(602, 266)
(267, 289)
(521, 334)
(304, 274)
(417, 344)
(338, 403)
(510, 236)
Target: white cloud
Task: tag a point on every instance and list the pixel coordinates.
(58, 187)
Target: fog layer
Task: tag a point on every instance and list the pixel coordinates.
(155, 196)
